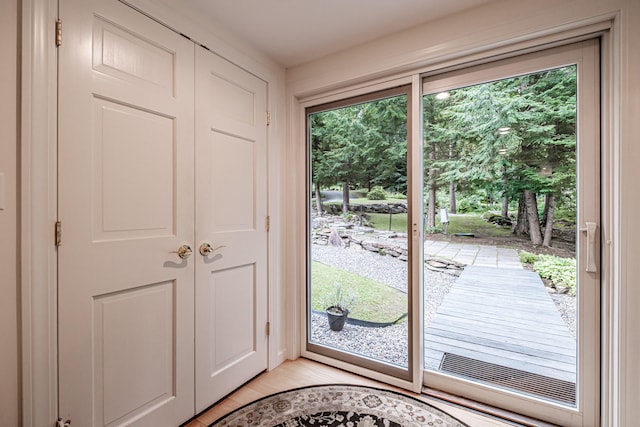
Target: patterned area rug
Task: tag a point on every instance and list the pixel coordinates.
(338, 406)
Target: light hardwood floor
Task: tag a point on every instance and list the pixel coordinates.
(303, 372)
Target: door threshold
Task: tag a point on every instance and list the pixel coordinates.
(488, 410)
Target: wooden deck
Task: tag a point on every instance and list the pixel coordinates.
(504, 317)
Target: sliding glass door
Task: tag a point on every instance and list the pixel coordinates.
(358, 296)
(477, 239)
(512, 210)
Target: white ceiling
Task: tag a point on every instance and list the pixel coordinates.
(293, 32)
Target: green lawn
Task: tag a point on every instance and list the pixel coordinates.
(471, 223)
(462, 223)
(373, 301)
(380, 221)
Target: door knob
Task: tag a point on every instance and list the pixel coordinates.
(206, 249)
(183, 251)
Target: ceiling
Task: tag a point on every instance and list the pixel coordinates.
(293, 32)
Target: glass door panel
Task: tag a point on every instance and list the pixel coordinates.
(358, 296)
(509, 185)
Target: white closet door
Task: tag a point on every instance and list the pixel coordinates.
(126, 202)
(231, 210)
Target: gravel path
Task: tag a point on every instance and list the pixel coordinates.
(389, 344)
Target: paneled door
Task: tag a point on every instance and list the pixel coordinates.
(163, 254)
(231, 227)
(126, 205)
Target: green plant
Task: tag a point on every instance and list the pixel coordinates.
(561, 271)
(377, 193)
(398, 196)
(433, 230)
(527, 257)
(340, 300)
(470, 203)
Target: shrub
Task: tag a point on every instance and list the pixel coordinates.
(470, 203)
(398, 196)
(377, 193)
(527, 257)
(561, 271)
(497, 219)
(433, 230)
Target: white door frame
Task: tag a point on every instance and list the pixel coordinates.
(39, 212)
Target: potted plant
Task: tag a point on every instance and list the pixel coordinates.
(338, 307)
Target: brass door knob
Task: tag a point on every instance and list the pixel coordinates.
(184, 251)
(206, 249)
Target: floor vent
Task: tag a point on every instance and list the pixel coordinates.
(515, 379)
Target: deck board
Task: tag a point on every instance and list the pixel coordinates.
(506, 317)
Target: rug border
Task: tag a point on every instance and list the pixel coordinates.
(331, 385)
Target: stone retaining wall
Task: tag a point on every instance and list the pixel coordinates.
(395, 208)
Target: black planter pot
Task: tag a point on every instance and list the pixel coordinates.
(336, 321)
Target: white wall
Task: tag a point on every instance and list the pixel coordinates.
(9, 367)
(434, 45)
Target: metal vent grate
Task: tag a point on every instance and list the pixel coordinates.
(515, 379)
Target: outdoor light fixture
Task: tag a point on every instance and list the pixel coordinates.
(442, 95)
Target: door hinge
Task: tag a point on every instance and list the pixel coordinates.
(267, 223)
(268, 117)
(61, 423)
(268, 328)
(58, 32)
(58, 233)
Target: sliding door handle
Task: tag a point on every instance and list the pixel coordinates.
(590, 228)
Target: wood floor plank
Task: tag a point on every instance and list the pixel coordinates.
(303, 372)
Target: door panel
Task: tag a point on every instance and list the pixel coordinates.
(359, 270)
(117, 211)
(136, 373)
(231, 284)
(540, 368)
(126, 204)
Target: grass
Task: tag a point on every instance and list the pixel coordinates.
(473, 223)
(373, 301)
(380, 221)
(457, 224)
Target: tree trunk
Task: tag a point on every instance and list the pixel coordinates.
(452, 187)
(431, 210)
(505, 198)
(452, 197)
(545, 211)
(532, 217)
(345, 198)
(550, 207)
(522, 225)
(318, 200)
(505, 207)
